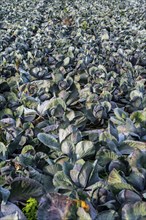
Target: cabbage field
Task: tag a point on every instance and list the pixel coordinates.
(73, 110)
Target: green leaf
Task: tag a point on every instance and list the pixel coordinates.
(73, 173)
(11, 212)
(67, 147)
(105, 156)
(13, 216)
(125, 149)
(64, 133)
(136, 179)
(61, 181)
(73, 96)
(107, 105)
(2, 180)
(68, 138)
(47, 210)
(49, 141)
(3, 151)
(67, 167)
(26, 160)
(55, 206)
(29, 114)
(134, 211)
(30, 209)
(74, 177)
(4, 195)
(50, 104)
(105, 136)
(66, 61)
(84, 174)
(104, 37)
(70, 133)
(126, 196)
(77, 118)
(130, 127)
(15, 143)
(120, 114)
(113, 130)
(94, 174)
(136, 93)
(43, 107)
(110, 215)
(52, 169)
(7, 112)
(84, 149)
(45, 180)
(24, 188)
(139, 116)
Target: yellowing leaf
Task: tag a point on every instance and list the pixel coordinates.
(114, 177)
(117, 183)
(85, 206)
(136, 144)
